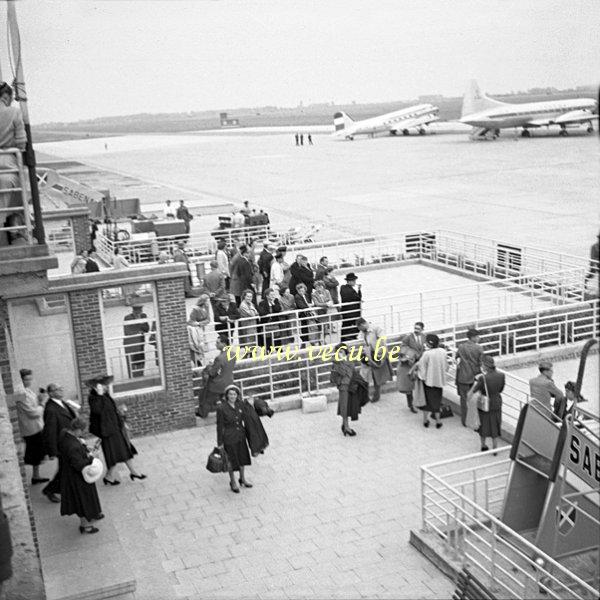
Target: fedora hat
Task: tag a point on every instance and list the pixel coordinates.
(351, 277)
(93, 471)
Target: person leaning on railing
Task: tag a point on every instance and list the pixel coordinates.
(12, 135)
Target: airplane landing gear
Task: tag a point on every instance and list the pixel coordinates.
(563, 131)
(525, 133)
(421, 131)
(496, 134)
(405, 132)
(590, 128)
(349, 137)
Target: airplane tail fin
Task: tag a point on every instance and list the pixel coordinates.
(341, 121)
(475, 100)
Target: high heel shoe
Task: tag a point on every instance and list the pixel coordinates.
(346, 431)
(426, 424)
(351, 432)
(234, 489)
(438, 425)
(109, 482)
(244, 483)
(90, 529)
(132, 476)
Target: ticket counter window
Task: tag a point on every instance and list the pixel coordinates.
(132, 339)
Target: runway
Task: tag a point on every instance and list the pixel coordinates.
(541, 191)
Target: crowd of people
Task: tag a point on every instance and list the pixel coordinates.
(52, 426)
(271, 302)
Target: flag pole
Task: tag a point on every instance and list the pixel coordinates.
(21, 98)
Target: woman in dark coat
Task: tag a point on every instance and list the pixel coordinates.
(353, 389)
(77, 497)
(106, 422)
(231, 436)
(490, 384)
(255, 432)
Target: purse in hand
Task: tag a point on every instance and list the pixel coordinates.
(483, 402)
(217, 461)
(446, 411)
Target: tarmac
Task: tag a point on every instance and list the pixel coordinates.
(541, 191)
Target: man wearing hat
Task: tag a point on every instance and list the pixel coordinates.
(135, 340)
(543, 388)
(468, 355)
(214, 282)
(264, 264)
(179, 255)
(351, 299)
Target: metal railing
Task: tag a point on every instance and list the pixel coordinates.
(461, 502)
(273, 377)
(16, 227)
(200, 243)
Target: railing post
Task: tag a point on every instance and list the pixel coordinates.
(537, 330)
(421, 306)
(493, 551)
(423, 499)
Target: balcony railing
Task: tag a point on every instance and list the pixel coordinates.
(16, 224)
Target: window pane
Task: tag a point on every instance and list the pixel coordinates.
(131, 337)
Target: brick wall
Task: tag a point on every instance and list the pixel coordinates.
(88, 336)
(164, 410)
(173, 408)
(81, 232)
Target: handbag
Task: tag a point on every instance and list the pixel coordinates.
(217, 461)
(483, 402)
(446, 411)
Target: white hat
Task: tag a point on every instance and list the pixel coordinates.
(93, 471)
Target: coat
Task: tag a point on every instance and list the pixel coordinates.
(242, 276)
(543, 388)
(255, 432)
(380, 369)
(30, 413)
(220, 373)
(230, 423)
(432, 367)
(269, 314)
(404, 379)
(135, 338)
(494, 382)
(214, 283)
(56, 418)
(264, 263)
(105, 419)
(77, 497)
(107, 423)
(469, 355)
(351, 299)
(415, 342)
(301, 274)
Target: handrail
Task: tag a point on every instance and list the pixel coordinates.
(486, 516)
(6, 231)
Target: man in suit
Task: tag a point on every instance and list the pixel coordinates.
(214, 283)
(469, 355)
(91, 265)
(242, 274)
(135, 340)
(416, 339)
(58, 414)
(301, 272)
(217, 376)
(542, 388)
(264, 265)
(179, 255)
(351, 298)
(380, 370)
(185, 215)
(269, 309)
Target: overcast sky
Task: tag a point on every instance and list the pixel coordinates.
(88, 59)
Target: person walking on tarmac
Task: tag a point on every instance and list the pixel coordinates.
(297, 139)
(310, 142)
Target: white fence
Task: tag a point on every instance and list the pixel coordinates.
(16, 226)
(509, 335)
(461, 501)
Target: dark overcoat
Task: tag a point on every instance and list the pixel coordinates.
(77, 497)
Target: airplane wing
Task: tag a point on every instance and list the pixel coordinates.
(411, 123)
(575, 116)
